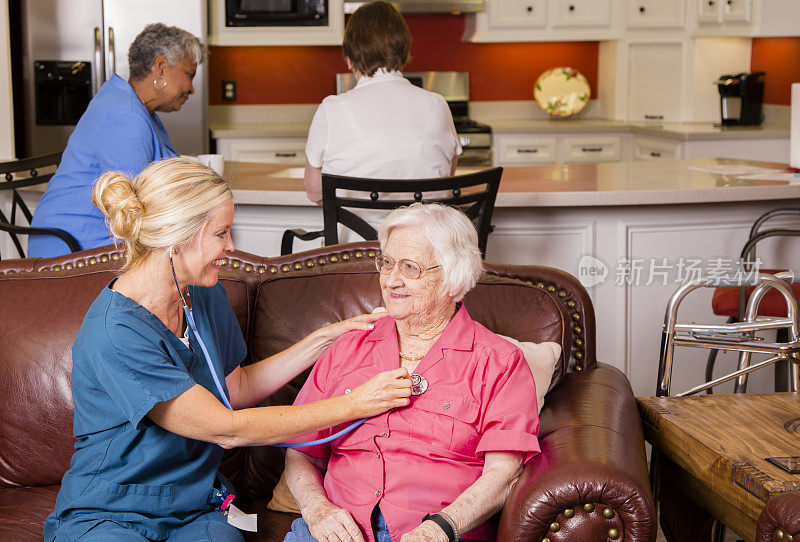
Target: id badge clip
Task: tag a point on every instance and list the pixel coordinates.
(223, 501)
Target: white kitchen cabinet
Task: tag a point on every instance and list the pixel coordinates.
(762, 149)
(646, 148)
(584, 148)
(736, 11)
(543, 20)
(724, 17)
(709, 11)
(656, 72)
(524, 150)
(519, 13)
(579, 13)
(655, 13)
(776, 18)
(220, 34)
(290, 151)
(537, 149)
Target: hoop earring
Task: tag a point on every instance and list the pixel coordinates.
(155, 83)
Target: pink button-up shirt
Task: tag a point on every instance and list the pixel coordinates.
(417, 459)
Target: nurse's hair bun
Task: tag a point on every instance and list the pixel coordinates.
(166, 205)
(116, 197)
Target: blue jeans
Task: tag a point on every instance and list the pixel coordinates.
(300, 532)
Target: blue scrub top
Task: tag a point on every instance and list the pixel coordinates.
(125, 468)
(115, 133)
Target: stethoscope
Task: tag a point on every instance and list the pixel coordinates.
(418, 382)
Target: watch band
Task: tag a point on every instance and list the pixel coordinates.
(447, 525)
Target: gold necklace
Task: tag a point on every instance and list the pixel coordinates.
(411, 358)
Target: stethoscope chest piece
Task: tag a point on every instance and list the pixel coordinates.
(418, 384)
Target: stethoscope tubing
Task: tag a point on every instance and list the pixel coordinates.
(193, 326)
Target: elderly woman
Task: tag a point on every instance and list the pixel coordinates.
(156, 380)
(119, 131)
(384, 128)
(439, 468)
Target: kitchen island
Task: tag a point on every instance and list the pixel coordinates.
(636, 229)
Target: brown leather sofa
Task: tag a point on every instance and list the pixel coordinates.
(780, 519)
(589, 483)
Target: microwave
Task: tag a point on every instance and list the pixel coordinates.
(276, 12)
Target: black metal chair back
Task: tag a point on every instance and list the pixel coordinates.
(474, 193)
(19, 174)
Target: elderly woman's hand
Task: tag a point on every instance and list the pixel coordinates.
(387, 390)
(427, 531)
(329, 523)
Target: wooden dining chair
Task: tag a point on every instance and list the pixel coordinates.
(16, 175)
(474, 193)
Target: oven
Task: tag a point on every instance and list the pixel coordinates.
(475, 137)
(276, 12)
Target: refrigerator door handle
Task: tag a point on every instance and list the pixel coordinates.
(112, 54)
(99, 65)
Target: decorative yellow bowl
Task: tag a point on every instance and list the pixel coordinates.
(562, 91)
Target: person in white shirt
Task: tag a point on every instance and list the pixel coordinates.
(385, 127)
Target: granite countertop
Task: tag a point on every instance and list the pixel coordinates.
(660, 182)
(260, 129)
(696, 131)
(689, 131)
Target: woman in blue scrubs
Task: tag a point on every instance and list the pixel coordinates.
(119, 131)
(149, 420)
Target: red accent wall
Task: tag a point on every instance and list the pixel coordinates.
(498, 71)
(780, 59)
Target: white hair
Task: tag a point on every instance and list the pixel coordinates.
(452, 236)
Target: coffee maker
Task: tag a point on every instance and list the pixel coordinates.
(741, 98)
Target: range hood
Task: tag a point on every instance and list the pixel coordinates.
(426, 6)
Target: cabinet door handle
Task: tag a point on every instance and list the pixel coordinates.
(655, 154)
(711, 3)
(592, 149)
(529, 9)
(571, 7)
(641, 9)
(527, 151)
(286, 154)
(654, 117)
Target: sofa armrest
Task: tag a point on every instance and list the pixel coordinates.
(590, 483)
(780, 519)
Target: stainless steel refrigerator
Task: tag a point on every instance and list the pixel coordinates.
(69, 48)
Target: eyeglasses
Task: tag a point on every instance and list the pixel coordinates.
(409, 268)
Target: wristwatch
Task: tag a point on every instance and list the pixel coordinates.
(446, 523)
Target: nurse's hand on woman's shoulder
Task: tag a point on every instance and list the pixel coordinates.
(329, 523)
(389, 389)
(324, 336)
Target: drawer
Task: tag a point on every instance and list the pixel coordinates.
(525, 151)
(655, 13)
(655, 149)
(579, 13)
(591, 149)
(277, 151)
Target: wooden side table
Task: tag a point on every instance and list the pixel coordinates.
(719, 444)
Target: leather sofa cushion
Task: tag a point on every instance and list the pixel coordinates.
(41, 320)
